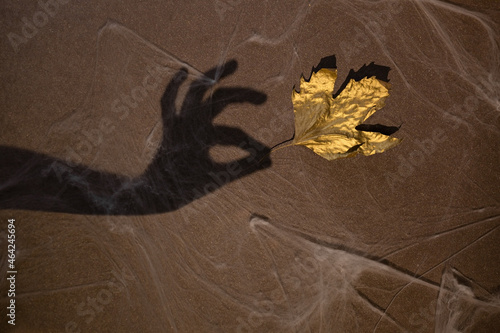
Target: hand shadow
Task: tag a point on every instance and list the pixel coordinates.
(180, 172)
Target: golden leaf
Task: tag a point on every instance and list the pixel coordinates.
(327, 126)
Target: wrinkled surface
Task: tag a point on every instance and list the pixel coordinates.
(327, 126)
(404, 241)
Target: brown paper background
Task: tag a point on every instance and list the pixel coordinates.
(207, 268)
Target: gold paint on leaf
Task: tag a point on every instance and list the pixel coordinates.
(327, 126)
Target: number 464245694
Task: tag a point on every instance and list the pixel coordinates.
(11, 238)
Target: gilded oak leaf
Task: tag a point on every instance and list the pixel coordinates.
(327, 125)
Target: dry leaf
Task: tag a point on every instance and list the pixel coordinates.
(327, 126)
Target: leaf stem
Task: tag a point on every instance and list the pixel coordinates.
(281, 146)
(284, 144)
